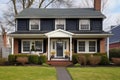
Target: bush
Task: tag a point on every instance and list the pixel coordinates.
(116, 61)
(42, 59)
(94, 60)
(104, 60)
(2, 61)
(34, 59)
(74, 58)
(114, 53)
(11, 58)
(22, 60)
(82, 60)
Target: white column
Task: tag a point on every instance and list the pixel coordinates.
(108, 47)
(48, 48)
(70, 48)
(12, 46)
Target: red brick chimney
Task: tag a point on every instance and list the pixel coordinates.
(97, 5)
(5, 39)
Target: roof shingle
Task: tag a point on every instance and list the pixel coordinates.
(60, 13)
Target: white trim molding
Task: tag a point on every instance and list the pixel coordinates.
(86, 46)
(30, 22)
(108, 47)
(12, 45)
(31, 41)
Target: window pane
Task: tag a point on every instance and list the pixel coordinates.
(60, 26)
(38, 45)
(26, 45)
(92, 46)
(53, 44)
(34, 24)
(81, 46)
(84, 24)
(60, 23)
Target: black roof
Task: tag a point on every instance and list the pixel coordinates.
(75, 32)
(60, 13)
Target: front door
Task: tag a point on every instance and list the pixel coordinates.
(59, 50)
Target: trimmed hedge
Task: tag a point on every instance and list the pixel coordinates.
(42, 59)
(74, 58)
(114, 53)
(32, 59)
(103, 60)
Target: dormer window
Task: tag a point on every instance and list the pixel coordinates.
(34, 24)
(84, 25)
(60, 24)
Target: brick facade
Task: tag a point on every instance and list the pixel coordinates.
(115, 45)
(97, 5)
(102, 45)
(15, 46)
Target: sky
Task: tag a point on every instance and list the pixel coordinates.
(113, 11)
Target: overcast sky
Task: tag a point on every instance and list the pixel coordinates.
(113, 10)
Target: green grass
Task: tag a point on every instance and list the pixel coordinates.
(27, 73)
(95, 73)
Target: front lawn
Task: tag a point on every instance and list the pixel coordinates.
(95, 73)
(27, 73)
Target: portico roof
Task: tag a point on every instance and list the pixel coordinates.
(59, 33)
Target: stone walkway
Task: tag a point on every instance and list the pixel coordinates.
(62, 74)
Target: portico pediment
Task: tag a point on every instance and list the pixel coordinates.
(59, 33)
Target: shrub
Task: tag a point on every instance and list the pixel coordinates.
(94, 60)
(34, 59)
(11, 58)
(2, 61)
(82, 60)
(114, 53)
(74, 58)
(104, 60)
(22, 60)
(116, 61)
(42, 59)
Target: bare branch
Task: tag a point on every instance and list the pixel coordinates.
(15, 8)
(49, 3)
(40, 4)
(30, 2)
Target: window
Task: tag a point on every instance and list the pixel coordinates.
(27, 45)
(84, 25)
(81, 46)
(53, 44)
(38, 46)
(34, 24)
(86, 46)
(60, 24)
(92, 46)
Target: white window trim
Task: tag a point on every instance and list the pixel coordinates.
(80, 24)
(57, 22)
(86, 46)
(31, 45)
(30, 24)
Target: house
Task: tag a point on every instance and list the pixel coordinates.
(115, 39)
(60, 31)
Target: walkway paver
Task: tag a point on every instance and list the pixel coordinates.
(62, 74)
